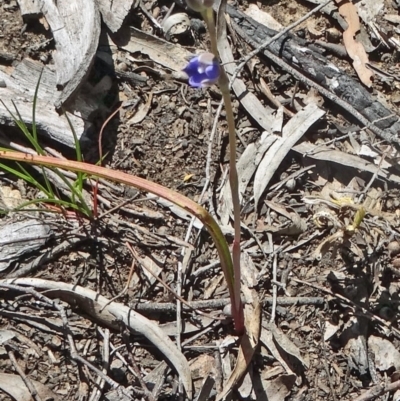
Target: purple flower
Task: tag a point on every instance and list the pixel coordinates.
(203, 70)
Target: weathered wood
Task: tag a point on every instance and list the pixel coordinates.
(76, 29)
(115, 11)
(21, 237)
(19, 88)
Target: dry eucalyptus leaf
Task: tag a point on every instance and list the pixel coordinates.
(292, 132)
(355, 49)
(330, 330)
(142, 112)
(248, 344)
(249, 271)
(167, 54)
(6, 335)
(284, 343)
(386, 354)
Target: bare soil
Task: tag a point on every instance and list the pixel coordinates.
(350, 295)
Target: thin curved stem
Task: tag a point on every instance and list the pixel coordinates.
(223, 83)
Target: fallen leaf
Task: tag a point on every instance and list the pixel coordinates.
(262, 17)
(355, 49)
(385, 353)
(248, 345)
(187, 177)
(15, 387)
(292, 132)
(142, 112)
(284, 343)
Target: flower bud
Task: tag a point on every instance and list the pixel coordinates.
(203, 70)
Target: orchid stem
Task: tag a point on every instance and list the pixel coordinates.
(208, 16)
(223, 82)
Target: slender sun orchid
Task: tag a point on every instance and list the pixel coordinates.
(203, 70)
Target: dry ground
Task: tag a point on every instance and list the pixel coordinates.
(338, 338)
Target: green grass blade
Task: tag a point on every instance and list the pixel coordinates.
(35, 96)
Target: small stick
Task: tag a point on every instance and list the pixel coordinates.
(125, 289)
(97, 390)
(378, 390)
(135, 367)
(274, 288)
(28, 383)
(267, 92)
(153, 307)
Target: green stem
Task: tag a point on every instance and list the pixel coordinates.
(223, 82)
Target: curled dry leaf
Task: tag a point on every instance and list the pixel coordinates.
(355, 49)
(176, 24)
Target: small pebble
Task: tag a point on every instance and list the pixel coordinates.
(291, 184)
(227, 311)
(122, 66)
(163, 230)
(118, 370)
(394, 248)
(333, 35)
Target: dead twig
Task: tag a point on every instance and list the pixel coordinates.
(378, 390)
(99, 388)
(29, 385)
(274, 288)
(157, 307)
(136, 369)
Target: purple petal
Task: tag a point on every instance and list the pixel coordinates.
(202, 70)
(212, 72)
(196, 80)
(192, 66)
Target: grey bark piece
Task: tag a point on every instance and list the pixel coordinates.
(19, 87)
(21, 237)
(295, 52)
(115, 11)
(76, 29)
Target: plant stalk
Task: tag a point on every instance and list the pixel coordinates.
(223, 83)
